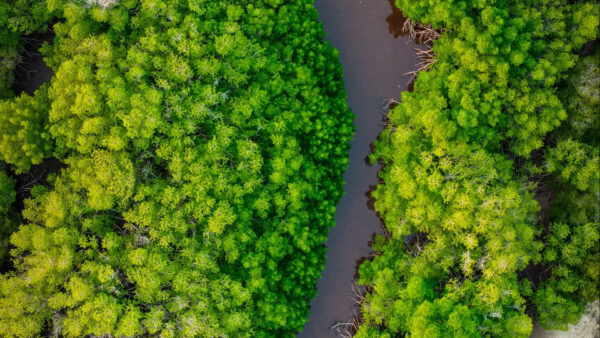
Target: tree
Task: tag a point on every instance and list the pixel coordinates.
(197, 194)
(465, 158)
(24, 133)
(7, 215)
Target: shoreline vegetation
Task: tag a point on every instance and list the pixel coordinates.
(489, 180)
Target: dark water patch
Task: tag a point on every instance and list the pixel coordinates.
(396, 21)
(388, 105)
(371, 206)
(374, 62)
(365, 258)
(411, 85)
(588, 48)
(6, 265)
(544, 194)
(32, 71)
(544, 197)
(370, 198)
(37, 175)
(371, 150)
(536, 274)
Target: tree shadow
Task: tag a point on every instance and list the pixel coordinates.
(395, 21)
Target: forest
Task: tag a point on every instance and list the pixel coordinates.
(490, 183)
(179, 173)
(202, 146)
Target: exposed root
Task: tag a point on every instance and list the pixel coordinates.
(348, 329)
(32, 179)
(102, 3)
(424, 35)
(426, 59)
(344, 330)
(390, 103)
(387, 232)
(420, 33)
(26, 71)
(416, 243)
(357, 294)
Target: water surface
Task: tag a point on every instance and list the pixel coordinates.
(374, 57)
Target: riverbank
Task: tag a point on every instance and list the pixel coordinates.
(374, 57)
(353, 28)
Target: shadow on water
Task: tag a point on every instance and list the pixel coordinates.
(395, 21)
(32, 71)
(29, 75)
(375, 58)
(37, 175)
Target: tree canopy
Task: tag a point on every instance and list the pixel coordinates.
(497, 134)
(204, 144)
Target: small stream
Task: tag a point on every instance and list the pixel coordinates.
(374, 57)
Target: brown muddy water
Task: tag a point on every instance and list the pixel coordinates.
(374, 57)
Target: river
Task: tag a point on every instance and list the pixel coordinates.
(374, 57)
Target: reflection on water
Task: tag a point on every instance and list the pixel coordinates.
(395, 21)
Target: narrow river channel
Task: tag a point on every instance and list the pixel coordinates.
(374, 59)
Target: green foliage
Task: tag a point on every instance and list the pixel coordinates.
(576, 164)
(461, 213)
(8, 62)
(572, 249)
(23, 121)
(8, 221)
(7, 191)
(24, 137)
(205, 144)
(573, 253)
(17, 17)
(497, 66)
(582, 98)
(107, 178)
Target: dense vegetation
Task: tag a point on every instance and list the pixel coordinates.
(18, 18)
(490, 175)
(204, 144)
(8, 217)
